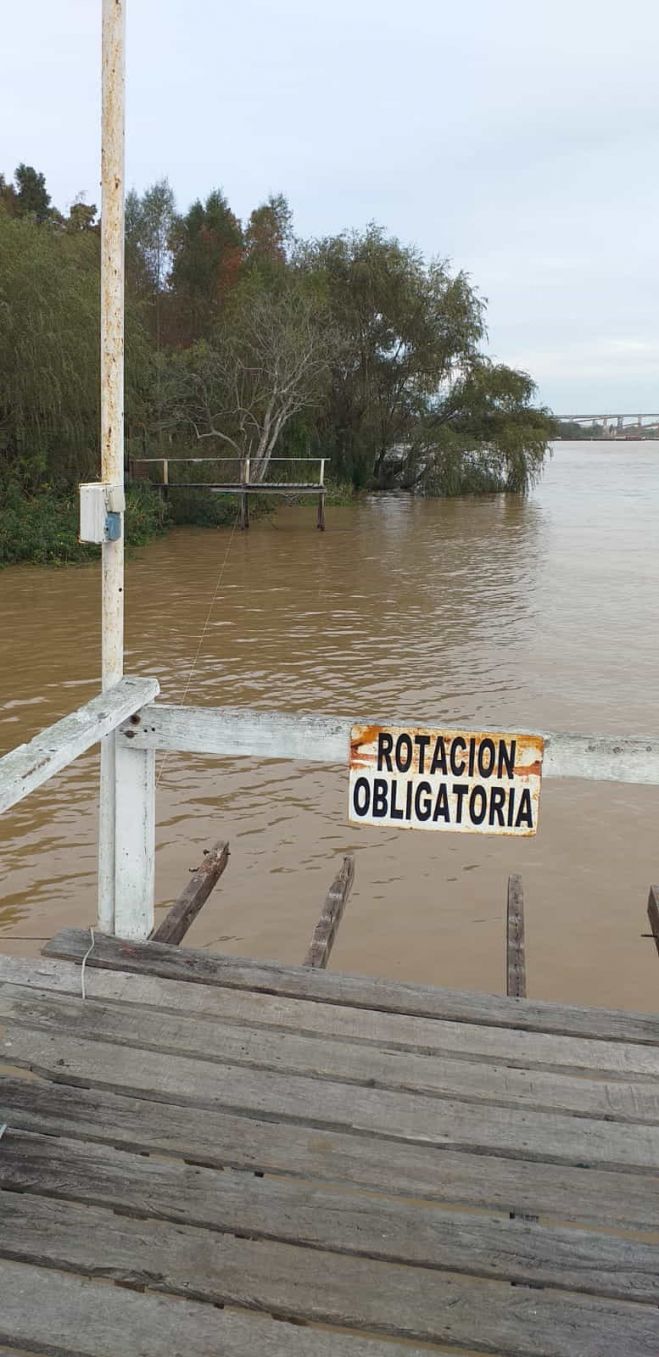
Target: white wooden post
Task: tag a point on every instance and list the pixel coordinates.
(135, 839)
(165, 471)
(126, 819)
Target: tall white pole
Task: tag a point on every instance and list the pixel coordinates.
(112, 415)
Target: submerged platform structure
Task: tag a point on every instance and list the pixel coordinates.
(210, 1155)
(236, 478)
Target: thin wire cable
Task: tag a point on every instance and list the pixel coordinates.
(202, 638)
(88, 953)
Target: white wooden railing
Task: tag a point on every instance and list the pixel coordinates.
(127, 804)
(138, 727)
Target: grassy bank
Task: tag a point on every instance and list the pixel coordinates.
(42, 527)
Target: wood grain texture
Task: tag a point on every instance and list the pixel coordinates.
(326, 929)
(341, 1221)
(71, 1316)
(135, 841)
(234, 731)
(290, 1282)
(221, 1139)
(515, 949)
(398, 1031)
(298, 1099)
(24, 769)
(355, 991)
(321, 1058)
(183, 913)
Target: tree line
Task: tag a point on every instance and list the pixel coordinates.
(244, 340)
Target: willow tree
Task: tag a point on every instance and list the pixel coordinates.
(409, 383)
(49, 352)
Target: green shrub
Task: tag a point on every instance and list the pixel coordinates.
(43, 527)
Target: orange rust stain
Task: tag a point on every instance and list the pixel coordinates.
(367, 735)
(528, 769)
(525, 743)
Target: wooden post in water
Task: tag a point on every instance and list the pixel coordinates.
(244, 498)
(327, 927)
(515, 949)
(321, 498)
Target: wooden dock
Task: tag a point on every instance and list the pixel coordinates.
(213, 1156)
(237, 480)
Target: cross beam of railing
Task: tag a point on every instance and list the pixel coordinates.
(30, 765)
(234, 732)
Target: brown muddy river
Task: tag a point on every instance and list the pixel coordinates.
(492, 612)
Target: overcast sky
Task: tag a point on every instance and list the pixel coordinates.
(519, 138)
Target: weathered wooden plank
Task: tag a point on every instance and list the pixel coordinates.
(283, 1280)
(340, 1220)
(326, 929)
(515, 952)
(353, 1293)
(356, 991)
(227, 1044)
(324, 1103)
(653, 913)
(61, 1315)
(28, 767)
(225, 1140)
(183, 913)
(397, 1031)
(231, 731)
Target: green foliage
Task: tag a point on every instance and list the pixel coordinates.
(265, 363)
(82, 217)
(49, 349)
(49, 352)
(43, 527)
(242, 342)
(405, 325)
(32, 197)
(574, 432)
(207, 246)
(268, 235)
(485, 430)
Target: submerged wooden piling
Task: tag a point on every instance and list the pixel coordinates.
(515, 946)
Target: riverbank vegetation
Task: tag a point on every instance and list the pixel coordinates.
(242, 340)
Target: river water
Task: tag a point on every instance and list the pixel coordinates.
(495, 612)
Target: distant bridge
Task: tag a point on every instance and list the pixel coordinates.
(616, 425)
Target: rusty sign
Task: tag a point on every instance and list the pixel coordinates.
(470, 782)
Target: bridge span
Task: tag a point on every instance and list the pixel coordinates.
(645, 425)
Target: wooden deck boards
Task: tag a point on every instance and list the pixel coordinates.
(215, 1156)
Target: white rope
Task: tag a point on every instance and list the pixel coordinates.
(84, 963)
(202, 638)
